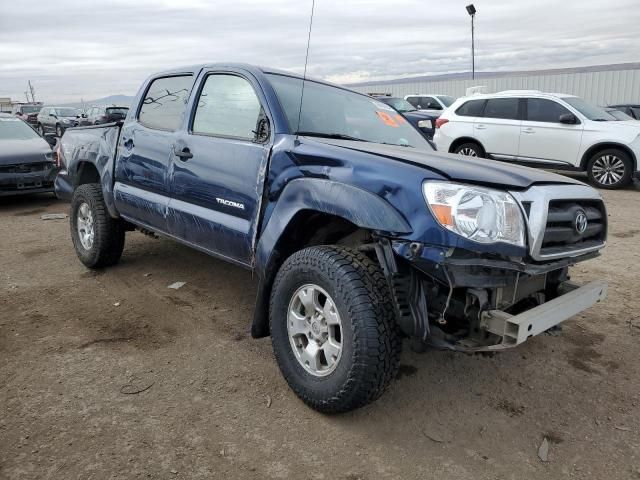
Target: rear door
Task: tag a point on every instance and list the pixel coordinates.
(498, 130)
(218, 166)
(544, 139)
(145, 151)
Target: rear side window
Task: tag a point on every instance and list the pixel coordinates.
(227, 107)
(472, 108)
(542, 110)
(635, 112)
(165, 102)
(505, 108)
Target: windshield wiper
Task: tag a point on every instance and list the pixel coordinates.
(601, 120)
(337, 136)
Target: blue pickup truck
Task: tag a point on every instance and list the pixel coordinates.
(360, 233)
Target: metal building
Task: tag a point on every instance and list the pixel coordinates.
(602, 84)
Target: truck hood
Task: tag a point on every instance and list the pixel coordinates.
(459, 168)
(14, 152)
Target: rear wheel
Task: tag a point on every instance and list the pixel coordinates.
(97, 237)
(469, 149)
(333, 329)
(610, 169)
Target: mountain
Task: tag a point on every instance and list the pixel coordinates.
(119, 100)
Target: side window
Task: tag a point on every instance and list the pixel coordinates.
(415, 101)
(228, 107)
(635, 112)
(472, 108)
(543, 110)
(165, 102)
(430, 103)
(506, 108)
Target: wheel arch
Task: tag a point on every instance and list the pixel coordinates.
(459, 141)
(315, 212)
(591, 151)
(86, 172)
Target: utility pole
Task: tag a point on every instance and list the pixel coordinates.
(471, 10)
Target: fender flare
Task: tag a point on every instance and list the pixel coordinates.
(358, 206)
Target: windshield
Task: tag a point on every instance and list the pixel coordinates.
(588, 110)
(30, 108)
(15, 129)
(446, 100)
(399, 104)
(67, 112)
(117, 111)
(333, 112)
(619, 115)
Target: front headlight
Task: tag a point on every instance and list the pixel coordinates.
(425, 124)
(483, 215)
(66, 120)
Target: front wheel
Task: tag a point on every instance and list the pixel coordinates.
(41, 130)
(97, 237)
(610, 169)
(333, 328)
(59, 131)
(469, 149)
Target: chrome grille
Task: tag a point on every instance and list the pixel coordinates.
(551, 212)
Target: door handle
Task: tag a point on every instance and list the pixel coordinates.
(184, 154)
(480, 127)
(528, 130)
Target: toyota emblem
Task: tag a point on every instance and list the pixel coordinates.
(580, 222)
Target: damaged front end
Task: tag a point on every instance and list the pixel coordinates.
(458, 299)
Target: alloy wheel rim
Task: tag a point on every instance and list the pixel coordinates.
(468, 151)
(608, 169)
(314, 327)
(85, 225)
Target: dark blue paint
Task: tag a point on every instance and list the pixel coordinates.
(377, 187)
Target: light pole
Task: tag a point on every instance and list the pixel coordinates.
(471, 10)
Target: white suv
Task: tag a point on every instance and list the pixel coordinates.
(545, 130)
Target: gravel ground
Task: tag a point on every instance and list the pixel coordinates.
(110, 374)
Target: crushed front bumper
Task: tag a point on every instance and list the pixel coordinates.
(23, 179)
(517, 329)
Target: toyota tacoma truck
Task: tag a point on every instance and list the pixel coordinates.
(359, 232)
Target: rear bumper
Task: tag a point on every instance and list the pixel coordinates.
(63, 185)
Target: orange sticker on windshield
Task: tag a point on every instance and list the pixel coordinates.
(390, 120)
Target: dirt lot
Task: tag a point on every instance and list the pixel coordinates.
(76, 346)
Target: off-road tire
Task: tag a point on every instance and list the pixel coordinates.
(612, 152)
(467, 147)
(108, 232)
(370, 335)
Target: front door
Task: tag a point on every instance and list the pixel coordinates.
(218, 168)
(144, 152)
(544, 139)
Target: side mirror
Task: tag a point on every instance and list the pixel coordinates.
(568, 118)
(53, 115)
(84, 115)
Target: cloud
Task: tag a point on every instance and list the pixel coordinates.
(87, 49)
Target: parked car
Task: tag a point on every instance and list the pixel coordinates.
(26, 160)
(27, 112)
(423, 121)
(544, 130)
(430, 103)
(102, 114)
(358, 232)
(633, 110)
(57, 119)
(618, 114)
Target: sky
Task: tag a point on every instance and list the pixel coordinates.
(73, 50)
